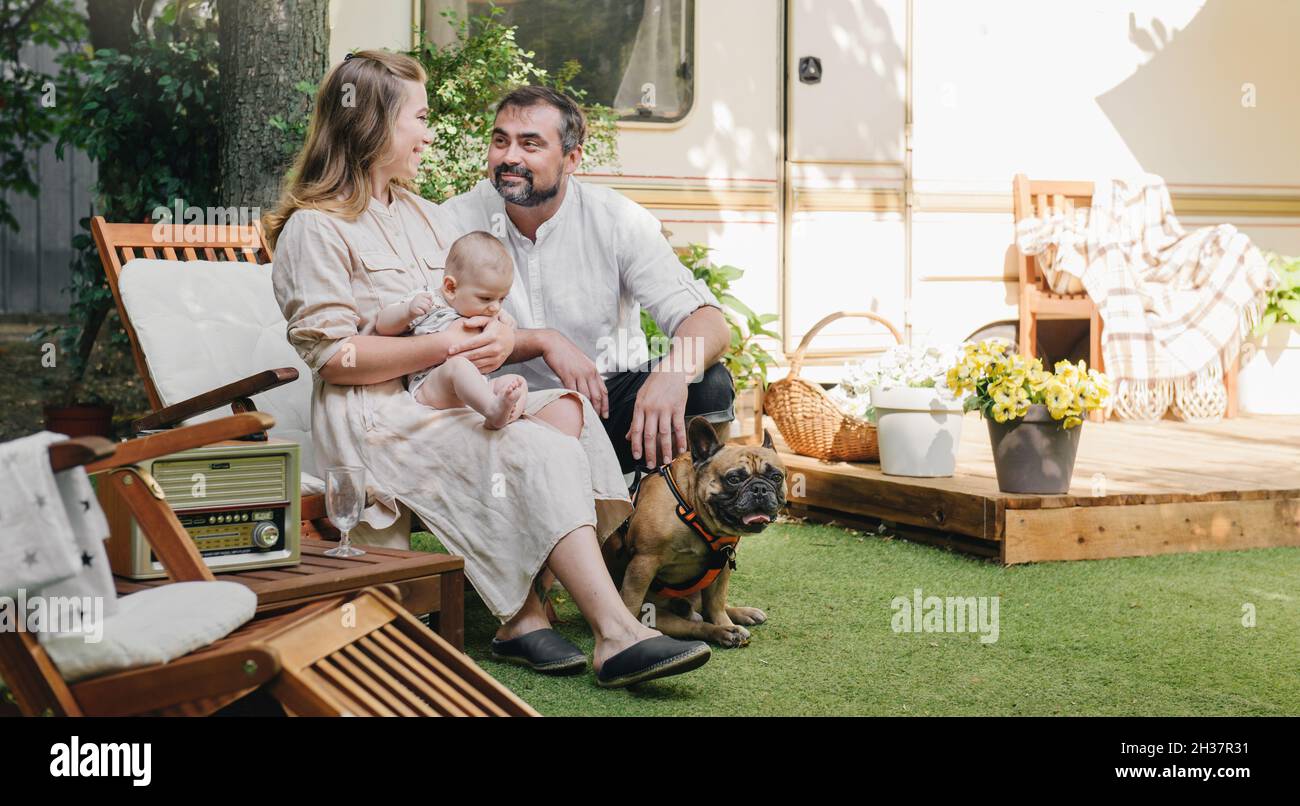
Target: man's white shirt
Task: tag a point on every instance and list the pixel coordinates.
(596, 263)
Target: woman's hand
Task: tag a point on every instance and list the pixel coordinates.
(488, 344)
(576, 371)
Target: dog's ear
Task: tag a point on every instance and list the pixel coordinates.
(767, 440)
(703, 440)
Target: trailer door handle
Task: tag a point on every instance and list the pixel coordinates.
(810, 70)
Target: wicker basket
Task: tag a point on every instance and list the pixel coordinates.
(809, 421)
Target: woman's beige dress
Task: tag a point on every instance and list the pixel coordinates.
(502, 499)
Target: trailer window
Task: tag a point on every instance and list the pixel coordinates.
(637, 56)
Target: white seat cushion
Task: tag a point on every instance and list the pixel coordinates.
(154, 626)
(204, 324)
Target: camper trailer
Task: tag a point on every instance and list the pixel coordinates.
(858, 155)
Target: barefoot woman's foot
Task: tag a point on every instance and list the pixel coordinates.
(508, 404)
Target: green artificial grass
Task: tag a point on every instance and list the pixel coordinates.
(1148, 636)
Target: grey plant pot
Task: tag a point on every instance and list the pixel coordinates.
(1033, 454)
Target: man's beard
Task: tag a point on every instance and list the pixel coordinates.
(524, 194)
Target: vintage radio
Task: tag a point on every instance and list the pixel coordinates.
(239, 501)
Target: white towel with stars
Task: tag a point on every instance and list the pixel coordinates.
(52, 529)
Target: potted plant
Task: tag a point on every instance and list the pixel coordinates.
(1270, 361)
(84, 383)
(1034, 417)
(918, 417)
(68, 406)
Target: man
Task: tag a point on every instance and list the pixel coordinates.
(587, 259)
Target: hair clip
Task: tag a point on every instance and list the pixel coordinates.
(349, 56)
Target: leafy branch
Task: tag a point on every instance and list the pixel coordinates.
(745, 357)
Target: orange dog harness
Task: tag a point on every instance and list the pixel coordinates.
(722, 548)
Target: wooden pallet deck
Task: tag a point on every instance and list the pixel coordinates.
(1139, 489)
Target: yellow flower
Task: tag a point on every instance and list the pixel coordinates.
(1069, 374)
(961, 377)
(1058, 396)
(1003, 412)
(1005, 393)
(1072, 421)
(1094, 390)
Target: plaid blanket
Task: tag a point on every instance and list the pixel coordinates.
(1175, 305)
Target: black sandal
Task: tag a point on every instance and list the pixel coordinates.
(544, 651)
(652, 658)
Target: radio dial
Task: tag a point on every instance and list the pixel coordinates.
(265, 535)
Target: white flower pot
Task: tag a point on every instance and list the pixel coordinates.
(919, 431)
(1269, 382)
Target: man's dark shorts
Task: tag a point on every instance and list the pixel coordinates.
(713, 396)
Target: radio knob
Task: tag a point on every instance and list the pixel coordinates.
(265, 535)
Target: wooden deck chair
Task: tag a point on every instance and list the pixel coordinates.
(261, 372)
(357, 654)
(119, 244)
(1038, 198)
(213, 341)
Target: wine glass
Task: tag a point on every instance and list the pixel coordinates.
(345, 497)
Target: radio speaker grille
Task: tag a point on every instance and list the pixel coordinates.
(225, 482)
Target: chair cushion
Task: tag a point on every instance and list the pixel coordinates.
(154, 626)
(204, 324)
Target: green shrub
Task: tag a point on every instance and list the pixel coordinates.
(1282, 305)
(466, 79)
(30, 99)
(746, 359)
(149, 118)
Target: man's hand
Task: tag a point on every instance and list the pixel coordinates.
(576, 371)
(659, 419)
(490, 348)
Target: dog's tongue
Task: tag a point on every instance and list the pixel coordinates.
(755, 517)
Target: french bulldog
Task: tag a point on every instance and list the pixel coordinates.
(733, 490)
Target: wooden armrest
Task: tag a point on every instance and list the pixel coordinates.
(216, 398)
(139, 449)
(79, 451)
(312, 507)
(224, 670)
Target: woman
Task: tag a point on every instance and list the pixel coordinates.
(349, 238)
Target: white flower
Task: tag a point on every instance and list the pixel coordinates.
(921, 366)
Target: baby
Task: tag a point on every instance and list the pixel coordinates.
(477, 279)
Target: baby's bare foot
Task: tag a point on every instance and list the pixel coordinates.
(508, 404)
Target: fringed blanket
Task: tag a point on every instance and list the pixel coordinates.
(1175, 305)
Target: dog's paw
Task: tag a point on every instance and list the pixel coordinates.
(729, 635)
(749, 616)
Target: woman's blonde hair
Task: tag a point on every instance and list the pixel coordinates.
(351, 129)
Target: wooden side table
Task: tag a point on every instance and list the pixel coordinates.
(422, 582)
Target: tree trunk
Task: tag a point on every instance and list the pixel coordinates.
(266, 48)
